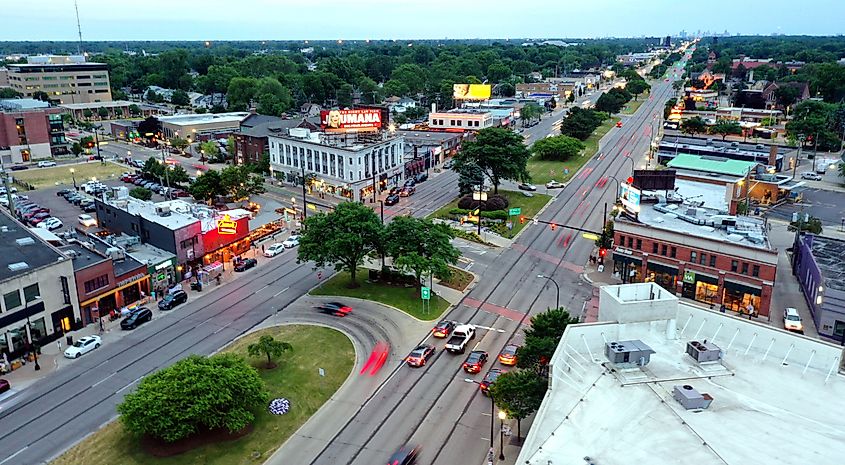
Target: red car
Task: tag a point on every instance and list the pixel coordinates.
(488, 380)
(38, 218)
(619, 124)
(4, 385)
(444, 328)
(475, 361)
(420, 355)
(508, 355)
(35, 211)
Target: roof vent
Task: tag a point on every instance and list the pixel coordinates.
(25, 241)
(4, 229)
(19, 266)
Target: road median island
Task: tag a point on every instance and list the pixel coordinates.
(297, 378)
(543, 171)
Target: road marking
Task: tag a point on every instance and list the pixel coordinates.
(476, 346)
(490, 329)
(15, 454)
(127, 386)
(283, 290)
(102, 380)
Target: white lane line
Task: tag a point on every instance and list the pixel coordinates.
(102, 380)
(14, 455)
(127, 386)
(265, 287)
(490, 329)
(283, 290)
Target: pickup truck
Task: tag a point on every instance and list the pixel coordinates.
(461, 336)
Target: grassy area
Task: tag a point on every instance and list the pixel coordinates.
(406, 299)
(529, 206)
(296, 378)
(543, 171)
(634, 105)
(459, 279)
(83, 172)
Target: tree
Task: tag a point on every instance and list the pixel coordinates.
(519, 393)
(341, 238)
(694, 125)
(238, 182)
(580, 123)
(725, 128)
(507, 90)
(613, 100)
(668, 106)
(87, 113)
(153, 169)
(103, 112)
(210, 150)
(179, 143)
(141, 193)
(207, 186)
(542, 337)
(421, 246)
(41, 95)
(240, 92)
(571, 98)
(499, 153)
(76, 148)
(470, 176)
(8, 92)
(637, 87)
(529, 112)
(118, 112)
(180, 97)
(177, 175)
(273, 98)
(134, 109)
(786, 95)
(270, 347)
(559, 148)
(154, 96)
(193, 396)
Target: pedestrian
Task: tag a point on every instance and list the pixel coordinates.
(750, 311)
(59, 345)
(262, 248)
(722, 308)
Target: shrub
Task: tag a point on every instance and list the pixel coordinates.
(495, 202)
(495, 215)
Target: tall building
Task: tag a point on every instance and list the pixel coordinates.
(30, 130)
(65, 79)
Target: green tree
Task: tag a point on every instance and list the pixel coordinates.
(134, 109)
(341, 238)
(580, 123)
(269, 346)
(118, 112)
(102, 112)
(8, 92)
(239, 182)
(344, 95)
(179, 143)
(193, 396)
(559, 148)
(421, 246)
(507, 90)
(240, 93)
(571, 98)
(469, 176)
(529, 112)
(613, 100)
(152, 169)
(207, 186)
(273, 98)
(41, 95)
(180, 97)
(210, 150)
(519, 393)
(76, 149)
(786, 95)
(177, 175)
(637, 87)
(542, 337)
(725, 128)
(667, 107)
(694, 125)
(141, 193)
(500, 153)
(87, 113)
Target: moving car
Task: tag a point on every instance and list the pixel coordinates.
(83, 346)
(51, 223)
(554, 185)
(508, 355)
(334, 308)
(173, 299)
(291, 241)
(475, 361)
(811, 176)
(46, 164)
(420, 355)
(274, 249)
(443, 328)
(4, 385)
(527, 187)
(392, 199)
(461, 336)
(138, 317)
(407, 191)
(87, 220)
(246, 264)
(619, 124)
(406, 455)
(488, 380)
(792, 320)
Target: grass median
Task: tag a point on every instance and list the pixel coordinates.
(406, 299)
(529, 207)
(543, 171)
(296, 379)
(61, 175)
(634, 105)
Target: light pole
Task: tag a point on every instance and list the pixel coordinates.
(631, 159)
(73, 176)
(492, 411)
(502, 416)
(557, 287)
(304, 202)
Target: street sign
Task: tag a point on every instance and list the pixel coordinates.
(321, 371)
(426, 293)
(514, 211)
(590, 236)
(689, 276)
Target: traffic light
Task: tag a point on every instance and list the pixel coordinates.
(554, 226)
(602, 252)
(521, 219)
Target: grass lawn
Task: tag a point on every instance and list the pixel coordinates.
(296, 378)
(634, 105)
(49, 177)
(529, 206)
(543, 171)
(404, 298)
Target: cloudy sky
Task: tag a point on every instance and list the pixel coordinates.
(403, 19)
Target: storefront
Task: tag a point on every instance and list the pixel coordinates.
(163, 275)
(626, 266)
(700, 287)
(665, 276)
(127, 292)
(227, 237)
(740, 297)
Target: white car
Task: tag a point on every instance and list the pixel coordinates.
(554, 185)
(274, 250)
(46, 164)
(87, 220)
(50, 223)
(811, 176)
(792, 320)
(291, 242)
(83, 346)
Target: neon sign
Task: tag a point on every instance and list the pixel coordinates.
(225, 225)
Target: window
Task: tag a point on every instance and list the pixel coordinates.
(672, 252)
(622, 240)
(96, 283)
(65, 290)
(639, 244)
(712, 260)
(12, 300)
(663, 250)
(31, 292)
(734, 265)
(755, 271)
(630, 242)
(745, 268)
(654, 247)
(693, 256)
(188, 242)
(702, 260)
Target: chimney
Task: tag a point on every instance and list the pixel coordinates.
(434, 107)
(773, 155)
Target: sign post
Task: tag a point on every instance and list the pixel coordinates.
(322, 374)
(425, 293)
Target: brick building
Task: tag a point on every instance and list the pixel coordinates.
(251, 141)
(30, 130)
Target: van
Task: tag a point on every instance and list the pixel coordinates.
(792, 320)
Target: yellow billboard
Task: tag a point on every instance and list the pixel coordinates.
(471, 91)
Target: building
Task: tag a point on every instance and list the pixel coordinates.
(426, 149)
(30, 130)
(251, 140)
(819, 265)
(559, 91)
(65, 79)
(688, 243)
(461, 120)
(113, 110)
(202, 126)
(4, 77)
(802, 90)
(671, 146)
(698, 387)
(39, 292)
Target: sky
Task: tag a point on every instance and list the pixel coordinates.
(36, 20)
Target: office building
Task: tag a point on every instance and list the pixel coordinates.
(251, 141)
(819, 265)
(462, 119)
(30, 130)
(65, 79)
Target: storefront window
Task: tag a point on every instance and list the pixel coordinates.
(738, 297)
(4, 345)
(17, 337)
(37, 329)
(664, 276)
(705, 292)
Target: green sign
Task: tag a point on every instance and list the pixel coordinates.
(689, 276)
(514, 211)
(426, 293)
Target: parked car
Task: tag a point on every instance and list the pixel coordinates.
(406, 455)
(554, 185)
(87, 220)
(139, 181)
(811, 176)
(19, 167)
(448, 164)
(63, 192)
(410, 182)
(508, 355)
(246, 264)
(527, 187)
(274, 250)
(419, 356)
(334, 308)
(291, 241)
(792, 320)
(38, 218)
(51, 223)
(172, 299)
(488, 380)
(46, 164)
(392, 199)
(421, 177)
(4, 386)
(89, 207)
(475, 360)
(443, 328)
(407, 191)
(34, 211)
(136, 318)
(83, 346)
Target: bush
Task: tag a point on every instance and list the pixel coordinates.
(141, 193)
(495, 215)
(459, 211)
(494, 202)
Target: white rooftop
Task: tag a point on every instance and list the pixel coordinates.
(777, 397)
(205, 118)
(712, 195)
(150, 211)
(112, 104)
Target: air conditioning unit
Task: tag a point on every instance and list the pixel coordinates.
(628, 353)
(162, 210)
(690, 398)
(704, 351)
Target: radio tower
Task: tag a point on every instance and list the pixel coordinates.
(78, 28)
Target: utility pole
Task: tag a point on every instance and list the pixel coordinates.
(8, 188)
(304, 202)
(78, 28)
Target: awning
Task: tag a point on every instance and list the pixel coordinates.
(742, 288)
(620, 258)
(661, 268)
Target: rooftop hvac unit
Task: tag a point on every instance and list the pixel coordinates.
(633, 353)
(162, 210)
(704, 351)
(691, 399)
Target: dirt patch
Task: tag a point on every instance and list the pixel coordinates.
(159, 448)
(459, 280)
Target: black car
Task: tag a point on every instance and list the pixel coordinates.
(488, 380)
(406, 455)
(89, 207)
(392, 199)
(19, 167)
(421, 177)
(334, 308)
(244, 265)
(173, 299)
(411, 182)
(63, 192)
(137, 318)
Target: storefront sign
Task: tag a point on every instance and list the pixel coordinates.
(163, 265)
(624, 251)
(689, 276)
(471, 91)
(630, 198)
(130, 279)
(225, 225)
(357, 119)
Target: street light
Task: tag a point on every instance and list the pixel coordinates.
(502, 416)
(631, 159)
(556, 287)
(492, 411)
(73, 176)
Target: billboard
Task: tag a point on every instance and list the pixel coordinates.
(471, 91)
(630, 198)
(654, 180)
(360, 119)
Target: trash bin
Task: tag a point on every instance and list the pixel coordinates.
(69, 341)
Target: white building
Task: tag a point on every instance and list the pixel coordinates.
(463, 119)
(339, 164)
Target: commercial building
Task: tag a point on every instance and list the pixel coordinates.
(30, 130)
(781, 158)
(202, 126)
(461, 120)
(688, 243)
(251, 141)
(819, 265)
(662, 382)
(426, 149)
(558, 90)
(38, 288)
(66, 79)
(115, 109)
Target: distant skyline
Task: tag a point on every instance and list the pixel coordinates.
(40, 20)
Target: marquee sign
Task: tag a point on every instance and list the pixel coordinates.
(357, 119)
(225, 225)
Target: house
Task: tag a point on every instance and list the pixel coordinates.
(401, 104)
(770, 92)
(310, 109)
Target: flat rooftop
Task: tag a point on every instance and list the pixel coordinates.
(436, 137)
(22, 251)
(82, 257)
(175, 220)
(18, 104)
(777, 397)
(148, 254)
(715, 145)
(708, 164)
(112, 104)
(830, 256)
(205, 118)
